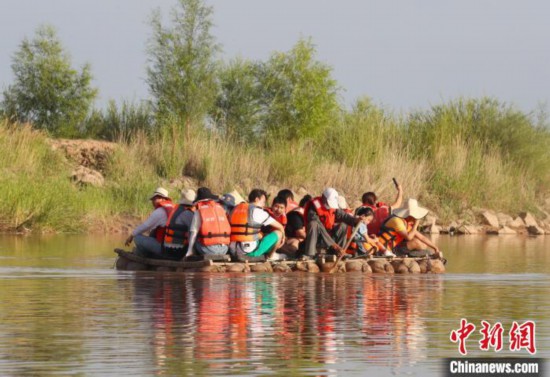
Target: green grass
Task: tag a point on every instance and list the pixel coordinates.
(455, 156)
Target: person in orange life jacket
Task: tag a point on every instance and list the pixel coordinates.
(278, 210)
(400, 232)
(326, 223)
(365, 243)
(210, 231)
(151, 246)
(381, 210)
(295, 230)
(246, 221)
(289, 198)
(176, 236)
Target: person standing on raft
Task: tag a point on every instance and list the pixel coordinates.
(400, 232)
(326, 223)
(151, 246)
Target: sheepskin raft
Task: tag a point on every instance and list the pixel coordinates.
(127, 261)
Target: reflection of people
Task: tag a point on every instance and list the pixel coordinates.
(210, 231)
(246, 221)
(150, 246)
(400, 233)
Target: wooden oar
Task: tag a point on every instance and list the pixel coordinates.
(355, 230)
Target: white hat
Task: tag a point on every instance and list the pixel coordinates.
(160, 191)
(331, 196)
(342, 203)
(410, 209)
(188, 197)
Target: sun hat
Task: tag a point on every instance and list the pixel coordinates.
(232, 198)
(160, 191)
(205, 193)
(331, 195)
(187, 197)
(410, 209)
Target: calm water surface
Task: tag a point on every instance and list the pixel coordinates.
(65, 311)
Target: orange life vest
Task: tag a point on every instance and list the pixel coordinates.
(326, 215)
(381, 214)
(281, 219)
(215, 229)
(389, 237)
(243, 227)
(158, 232)
(176, 235)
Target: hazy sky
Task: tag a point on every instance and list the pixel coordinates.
(404, 54)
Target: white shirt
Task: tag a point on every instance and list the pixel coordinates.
(261, 217)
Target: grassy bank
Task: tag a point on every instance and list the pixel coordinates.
(453, 157)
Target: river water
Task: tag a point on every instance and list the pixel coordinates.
(65, 311)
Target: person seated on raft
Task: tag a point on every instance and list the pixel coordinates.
(247, 220)
(381, 210)
(176, 235)
(365, 243)
(295, 230)
(278, 210)
(400, 232)
(210, 231)
(150, 246)
(326, 224)
(230, 200)
(288, 196)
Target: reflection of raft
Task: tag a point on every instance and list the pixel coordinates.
(127, 261)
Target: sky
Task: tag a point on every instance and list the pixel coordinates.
(404, 54)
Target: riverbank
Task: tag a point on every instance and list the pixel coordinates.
(59, 185)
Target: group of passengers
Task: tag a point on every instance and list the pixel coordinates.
(202, 223)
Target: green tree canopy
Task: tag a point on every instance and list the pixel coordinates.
(182, 70)
(299, 96)
(237, 108)
(47, 92)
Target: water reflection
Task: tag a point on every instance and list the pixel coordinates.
(66, 312)
(231, 324)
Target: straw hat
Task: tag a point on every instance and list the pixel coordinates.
(232, 198)
(160, 191)
(331, 195)
(187, 197)
(411, 208)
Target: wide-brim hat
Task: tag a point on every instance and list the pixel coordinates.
(232, 198)
(188, 197)
(411, 209)
(204, 193)
(160, 191)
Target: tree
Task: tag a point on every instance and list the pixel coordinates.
(237, 107)
(182, 71)
(299, 95)
(47, 92)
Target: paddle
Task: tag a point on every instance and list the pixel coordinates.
(353, 233)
